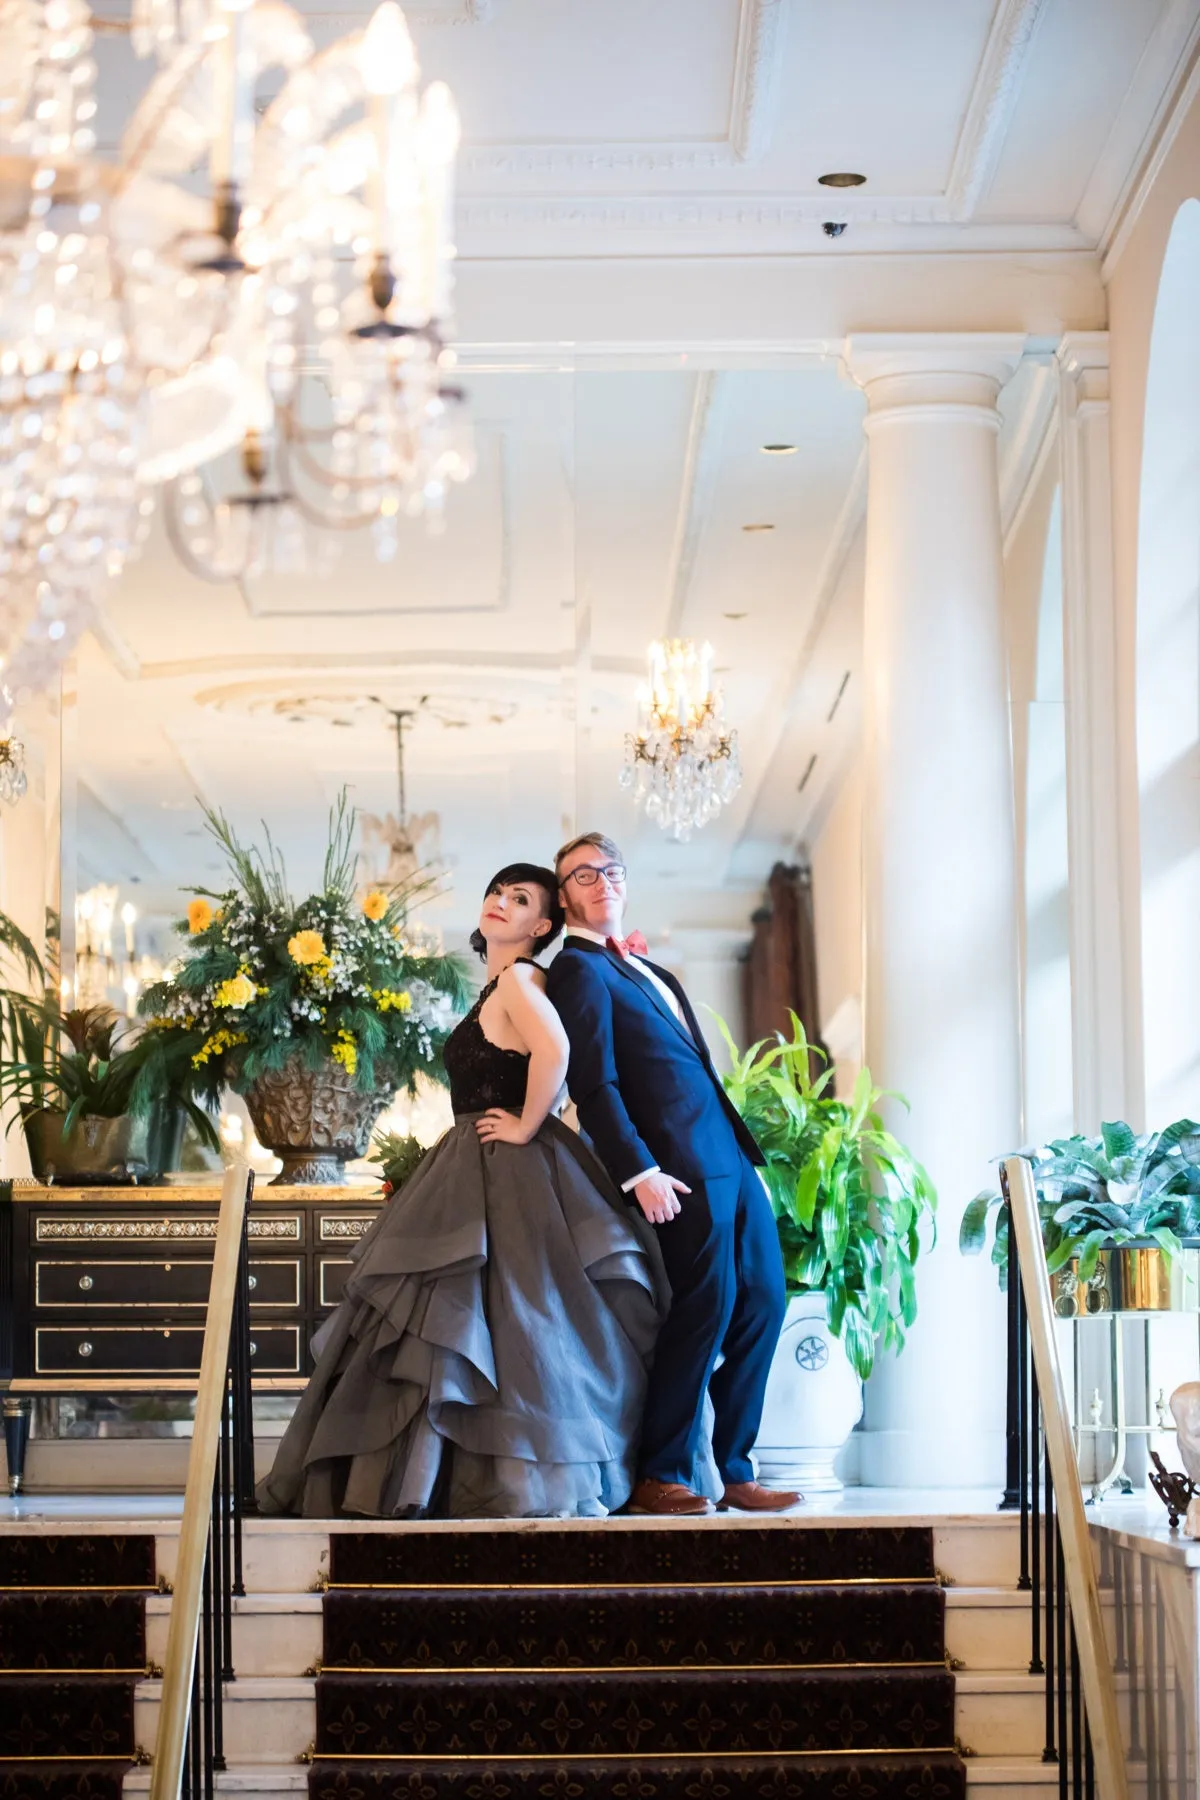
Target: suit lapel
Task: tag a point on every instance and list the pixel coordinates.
(646, 988)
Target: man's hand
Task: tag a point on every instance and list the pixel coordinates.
(656, 1197)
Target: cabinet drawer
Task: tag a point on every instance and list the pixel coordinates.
(331, 1279)
(137, 1284)
(89, 1350)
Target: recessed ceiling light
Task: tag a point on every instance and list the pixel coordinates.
(758, 528)
(841, 178)
(778, 449)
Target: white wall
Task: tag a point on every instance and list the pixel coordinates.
(838, 909)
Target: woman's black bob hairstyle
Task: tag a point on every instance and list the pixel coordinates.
(536, 876)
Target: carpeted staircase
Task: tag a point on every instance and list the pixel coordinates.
(681, 1662)
(72, 1650)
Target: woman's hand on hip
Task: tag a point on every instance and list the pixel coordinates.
(500, 1127)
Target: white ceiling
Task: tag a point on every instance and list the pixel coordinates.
(619, 146)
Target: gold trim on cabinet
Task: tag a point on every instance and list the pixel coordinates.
(71, 1231)
(340, 1231)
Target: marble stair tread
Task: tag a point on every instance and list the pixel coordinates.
(1009, 1777)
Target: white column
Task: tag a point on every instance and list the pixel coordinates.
(940, 923)
(1093, 799)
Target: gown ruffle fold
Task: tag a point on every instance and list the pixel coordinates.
(489, 1358)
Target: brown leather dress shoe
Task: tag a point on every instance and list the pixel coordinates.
(748, 1496)
(667, 1499)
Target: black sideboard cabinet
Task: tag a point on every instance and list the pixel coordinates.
(104, 1289)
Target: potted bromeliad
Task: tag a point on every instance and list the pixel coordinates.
(1115, 1212)
(850, 1206)
(317, 1010)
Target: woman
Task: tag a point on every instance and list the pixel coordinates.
(489, 1356)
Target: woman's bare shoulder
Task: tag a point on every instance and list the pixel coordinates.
(523, 975)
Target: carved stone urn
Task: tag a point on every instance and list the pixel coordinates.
(316, 1120)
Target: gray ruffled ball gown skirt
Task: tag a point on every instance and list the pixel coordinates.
(489, 1358)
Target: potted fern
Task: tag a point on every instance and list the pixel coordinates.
(851, 1206)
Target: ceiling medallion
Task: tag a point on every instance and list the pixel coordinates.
(682, 761)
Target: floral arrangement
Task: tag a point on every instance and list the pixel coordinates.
(265, 979)
(398, 1157)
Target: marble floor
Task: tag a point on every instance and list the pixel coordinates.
(856, 1505)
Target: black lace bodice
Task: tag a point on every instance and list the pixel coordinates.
(481, 1073)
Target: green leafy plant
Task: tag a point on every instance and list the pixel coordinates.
(1097, 1193)
(850, 1201)
(265, 978)
(398, 1157)
(82, 1064)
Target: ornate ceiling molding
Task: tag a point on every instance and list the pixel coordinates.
(762, 26)
(992, 103)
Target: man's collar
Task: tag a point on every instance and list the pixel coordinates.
(581, 931)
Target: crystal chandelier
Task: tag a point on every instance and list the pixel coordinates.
(682, 762)
(146, 328)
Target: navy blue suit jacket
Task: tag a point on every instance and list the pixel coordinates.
(643, 1084)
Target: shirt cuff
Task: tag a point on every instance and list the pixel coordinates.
(627, 1187)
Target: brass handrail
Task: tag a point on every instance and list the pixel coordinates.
(1083, 1589)
(179, 1663)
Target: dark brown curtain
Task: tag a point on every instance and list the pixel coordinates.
(780, 970)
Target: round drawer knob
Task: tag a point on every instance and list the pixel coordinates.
(85, 1349)
(253, 1283)
(86, 1283)
(253, 1348)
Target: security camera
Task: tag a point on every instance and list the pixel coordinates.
(834, 227)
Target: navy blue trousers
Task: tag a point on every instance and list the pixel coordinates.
(727, 1299)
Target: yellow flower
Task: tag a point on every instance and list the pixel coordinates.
(345, 1051)
(199, 916)
(238, 991)
(214, 1045)
(306, 947)
(390, 1000)
(375, 905)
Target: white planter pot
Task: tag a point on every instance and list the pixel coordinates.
(814, 1401)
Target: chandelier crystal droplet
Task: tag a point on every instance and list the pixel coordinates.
(682, 761)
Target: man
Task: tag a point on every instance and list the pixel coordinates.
(658, 1117)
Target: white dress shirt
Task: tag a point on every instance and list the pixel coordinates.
(656, 981)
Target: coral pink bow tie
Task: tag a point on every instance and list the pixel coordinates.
(633, 945)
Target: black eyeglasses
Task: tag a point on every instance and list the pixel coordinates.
(588, 875)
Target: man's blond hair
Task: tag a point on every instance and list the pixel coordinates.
(595, 840)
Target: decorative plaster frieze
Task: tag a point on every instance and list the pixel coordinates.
(992, 103)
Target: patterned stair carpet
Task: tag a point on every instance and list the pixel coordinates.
(681, 1662)
(72, 1650)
